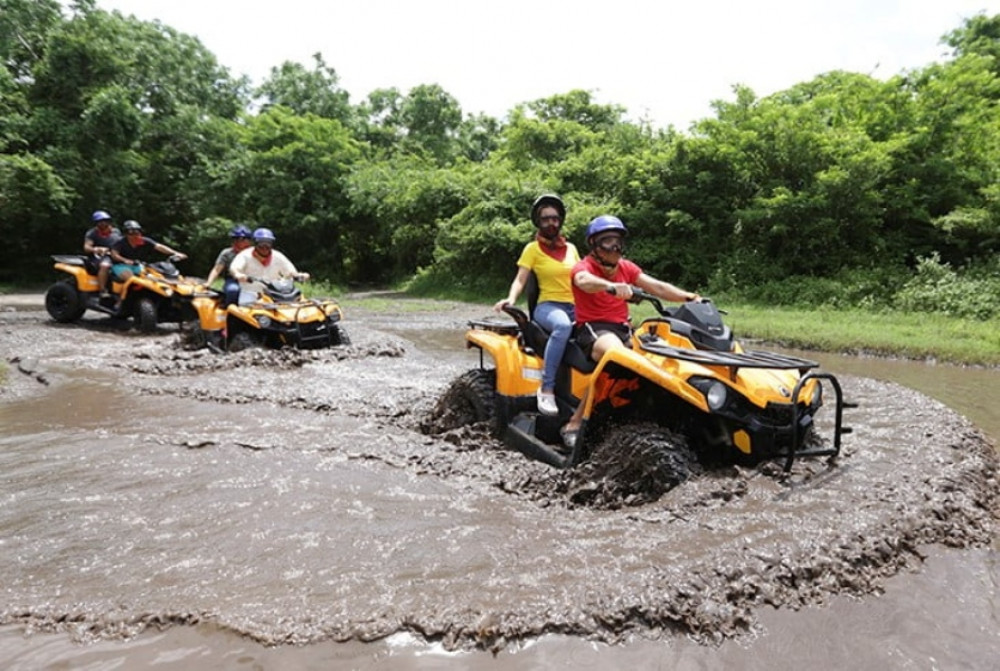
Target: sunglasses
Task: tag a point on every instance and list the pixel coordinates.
(133, 232)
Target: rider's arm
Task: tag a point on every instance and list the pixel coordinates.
(214, 273)
(664, 290)
(237, 269)
(592, 284)
(117, 257)
(516, 286)
(163, 249)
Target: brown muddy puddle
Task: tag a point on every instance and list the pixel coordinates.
(290, 498)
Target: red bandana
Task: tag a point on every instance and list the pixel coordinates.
(555, 248)
(264, 260)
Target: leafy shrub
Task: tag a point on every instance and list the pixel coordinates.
(937, 287)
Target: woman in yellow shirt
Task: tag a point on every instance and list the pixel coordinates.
(551, 258)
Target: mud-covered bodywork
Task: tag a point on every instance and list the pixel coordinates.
(157, 294)
(684, 371)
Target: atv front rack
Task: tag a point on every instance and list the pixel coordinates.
(798, 415)
(750, 359)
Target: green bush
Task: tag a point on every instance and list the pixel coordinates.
(937, 287)
(870, 289)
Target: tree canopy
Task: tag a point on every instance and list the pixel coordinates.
(841, 176)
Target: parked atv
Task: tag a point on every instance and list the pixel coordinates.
(277, 317)
(157, 294)
(684, 373)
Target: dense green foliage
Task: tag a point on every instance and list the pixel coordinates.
(842, 191)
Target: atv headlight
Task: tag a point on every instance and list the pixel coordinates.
(264, 321)
(716, 395)
(817, 397)
(715, 392)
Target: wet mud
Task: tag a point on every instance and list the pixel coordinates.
(298, 497)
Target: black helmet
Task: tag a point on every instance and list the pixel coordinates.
(547, 200)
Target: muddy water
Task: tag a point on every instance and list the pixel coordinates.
(168, 508)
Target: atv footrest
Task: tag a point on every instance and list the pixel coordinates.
(521, 435)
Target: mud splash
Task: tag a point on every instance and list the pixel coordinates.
(297, 500)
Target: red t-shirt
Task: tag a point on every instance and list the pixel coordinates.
(602, 306)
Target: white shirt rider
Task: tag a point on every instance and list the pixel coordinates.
(262, 262)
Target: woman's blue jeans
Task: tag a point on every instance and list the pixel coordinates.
(230, 292)
(557, 319)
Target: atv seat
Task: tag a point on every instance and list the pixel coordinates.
(536, 337)
(84, 260)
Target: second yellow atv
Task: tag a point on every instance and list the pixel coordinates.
(277, 317)
(684, 373)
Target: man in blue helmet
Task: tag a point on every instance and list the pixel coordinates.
(241, 237)
(262, 262)
(602, 283)
(97, 243)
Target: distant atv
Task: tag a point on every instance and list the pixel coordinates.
(278, 317)
(157, 294)
(684, 374)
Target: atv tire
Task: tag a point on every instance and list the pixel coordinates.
(241, 341)
(340, 336)
(145, 315)
(470, 399)
(64, 303)
(633, 463)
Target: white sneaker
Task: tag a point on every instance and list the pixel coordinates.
(547, 403)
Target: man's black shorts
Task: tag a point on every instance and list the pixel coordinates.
(587, 334)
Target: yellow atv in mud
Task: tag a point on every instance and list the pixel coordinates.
(157, 294)
(704, 396)
(277, 317)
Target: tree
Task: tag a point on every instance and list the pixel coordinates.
(288, 172)
(431, 117)
(315, 92)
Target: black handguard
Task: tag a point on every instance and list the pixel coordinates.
(638, 295)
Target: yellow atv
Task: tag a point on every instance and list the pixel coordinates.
(684, 373)
(277, 317)
(157, 294)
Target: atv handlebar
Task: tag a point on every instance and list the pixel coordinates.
(639, 295)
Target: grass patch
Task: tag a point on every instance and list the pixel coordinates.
(904, 334)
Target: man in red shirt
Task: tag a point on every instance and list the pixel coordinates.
(602, 283)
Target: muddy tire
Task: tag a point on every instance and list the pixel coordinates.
(340, 336)
(145, 315)
(470, 399)
(632, 464)
(241, 341)
(192, 336)
(64, 303)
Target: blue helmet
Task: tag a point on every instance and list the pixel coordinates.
(263, 235)
(240, 231)
(100, 215)
(603, 224)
